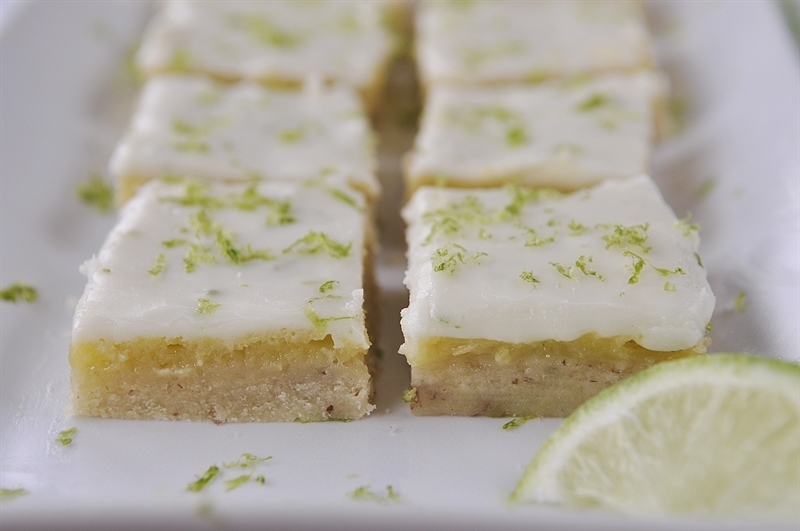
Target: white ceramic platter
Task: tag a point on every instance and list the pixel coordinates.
(64, 101)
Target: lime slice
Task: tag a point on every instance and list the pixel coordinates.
(710, 435)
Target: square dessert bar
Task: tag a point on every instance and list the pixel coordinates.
(280, 43)
(489, 41)
(564, 135)
(191, 126)
(528, 302)
(227, 302)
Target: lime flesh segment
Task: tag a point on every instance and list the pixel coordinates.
(707, 435)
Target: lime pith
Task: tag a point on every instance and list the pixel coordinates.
(715, 434)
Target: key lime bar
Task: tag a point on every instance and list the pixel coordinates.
(231, 303)
(280, 43)
(564, 135)
(191, 126)
(528, 302)
(488, 42)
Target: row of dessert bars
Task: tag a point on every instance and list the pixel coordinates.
(236, 285)
(544, 265)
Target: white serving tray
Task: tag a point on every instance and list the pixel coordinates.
(64, 101)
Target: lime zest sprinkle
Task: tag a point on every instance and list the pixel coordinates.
(705, 188)
(410, 395)
(581, 264)
(520, 196)
(236, 482)
(699, 260)
(740, 301)
(185, 128)
(10, 494)
(593, 102)
(320, 323)
(19, 291)
(280, 211)
(364, 493)
(576, 228)
(670, 287)
(636, 266)
(624, 236)
(292, 136)
(638, 263)
(678, 108)
(563, 270)
(455, 217)
(206, 306)
(181, 60)
(240, 255)
(204, 480)
(344, 198)
(315, 242)
(97, 193)
(246, 461)
(537, 76)
(517, 422)
(685, 227)
(161, 262)
(516, 136)
(65, 437)
(527, 276)
(391, 494)
(448, 257)
(328, 286)
(175, 242)
(534, 240)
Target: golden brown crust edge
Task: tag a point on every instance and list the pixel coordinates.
(547, 379)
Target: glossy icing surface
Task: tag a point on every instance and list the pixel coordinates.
(343, 40)
(519, 266)
(566, 135)
(225, 261)
(190, 126)
(487, 40)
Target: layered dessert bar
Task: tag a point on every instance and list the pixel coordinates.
(490, 42)
(279, 43)
(527, 302)
(192, 126)
(563, 135)
(227, 302)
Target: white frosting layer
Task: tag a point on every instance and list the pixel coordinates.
(559, 269)
(336, 40)
(566, 135)
(488, 40)
(190, 126)
(129, 295)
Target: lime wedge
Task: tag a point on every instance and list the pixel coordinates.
(707, 435)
